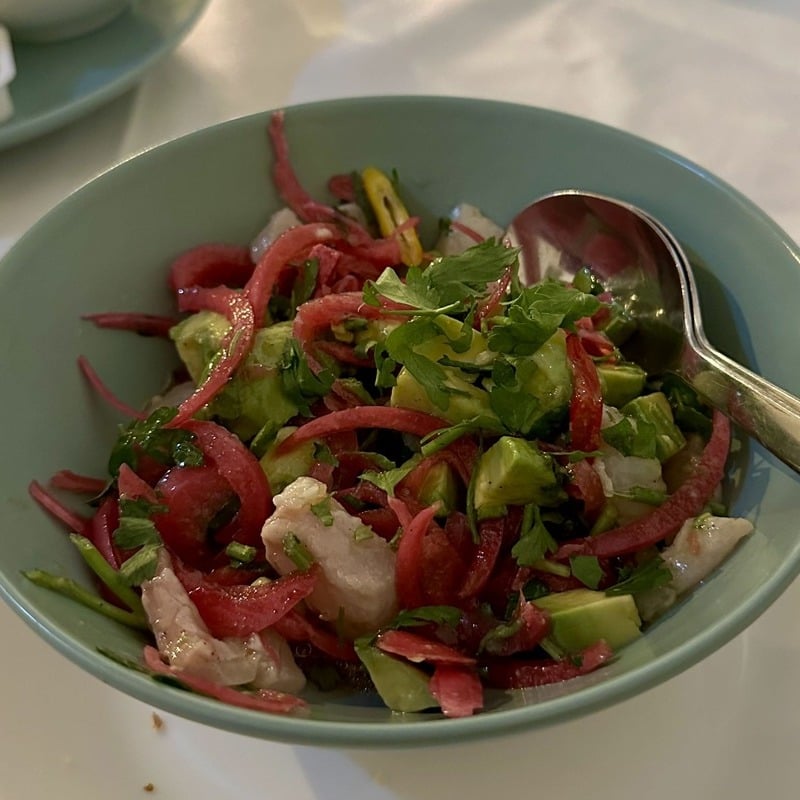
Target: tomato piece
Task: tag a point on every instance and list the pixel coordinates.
(408, 563)
(193, 497)
(585, 485)
(294, 627)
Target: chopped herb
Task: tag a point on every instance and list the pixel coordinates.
(534, 589)
(425, 615)
(150, 437)
(241, 553)
(649, 575)
(535, 540)
(324, 454)
(389, 478)
(444, 437)
(448, 284)
(322, 511)
(587, 570)
(297, 552)
(141, 566)
(301, 385)
(134, 532)
(362, 533)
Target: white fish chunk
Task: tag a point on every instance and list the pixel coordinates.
(454, 241)
(278, 223)
(357, 586)
(699, 547)
(183, 639)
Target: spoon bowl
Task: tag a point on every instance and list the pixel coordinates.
(646, 271)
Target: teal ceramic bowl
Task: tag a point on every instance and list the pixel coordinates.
(106, 247)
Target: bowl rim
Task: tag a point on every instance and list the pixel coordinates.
(436, 729)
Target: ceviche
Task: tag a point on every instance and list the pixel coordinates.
(392, 466)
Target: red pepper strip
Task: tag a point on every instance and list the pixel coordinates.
(241, 469)
(586, 404)
(235, 346)
(104, 392)
(491, 305)
(72, 482)
(341, 187)
(416, 648)
(457, 689)
(242, 610)
(467, 231)
(143, 324)
(484, 558)
(75, 522)
(585, 485)
(210, 265)
(507, 673)
(296, 628)
(288, 247)
(131, 486)
(320, 313)
(402, 420)
(268, 700)
(666, 520)
(408, 562)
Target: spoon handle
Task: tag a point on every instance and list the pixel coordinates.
(761, 409)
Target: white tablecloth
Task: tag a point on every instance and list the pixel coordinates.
(716, 80)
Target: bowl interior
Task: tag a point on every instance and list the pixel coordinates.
(107, 247)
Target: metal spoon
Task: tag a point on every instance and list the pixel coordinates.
(644, 267)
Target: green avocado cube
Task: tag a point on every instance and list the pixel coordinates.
(581, 617)
(655, 409)
(514, 472)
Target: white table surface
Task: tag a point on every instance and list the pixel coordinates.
(716, 80)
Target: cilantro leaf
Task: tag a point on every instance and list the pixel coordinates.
(133, 532)
(323, 512)
(141, 566)
(535, 541)
(649, 575)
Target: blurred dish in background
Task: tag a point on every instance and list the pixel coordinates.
(60, 81)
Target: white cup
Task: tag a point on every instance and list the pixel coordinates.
(54, 20)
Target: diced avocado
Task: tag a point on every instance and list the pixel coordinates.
(620, 383)
(283, 468)
(655, 409)
(402, 686)
(549, 379)
(514, 471)
(255, 395)
(466, 401)
(440, 485)
(581, 617)
(197, 339)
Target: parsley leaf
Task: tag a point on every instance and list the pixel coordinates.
(587, 570)
(424, 615)
(389, 478)
(141, 566)
(447, 284)
(536, 313)
(322, 511)
(301, 385)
